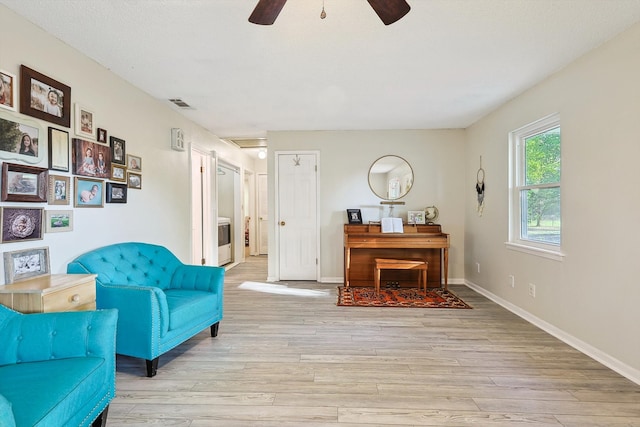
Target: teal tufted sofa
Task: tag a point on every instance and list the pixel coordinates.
(56, 369)
(161, 302)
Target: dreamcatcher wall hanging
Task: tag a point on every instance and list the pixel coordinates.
(480, 188)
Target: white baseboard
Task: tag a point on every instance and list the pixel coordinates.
(610, 362)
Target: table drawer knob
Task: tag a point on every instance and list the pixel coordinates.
(75, 298)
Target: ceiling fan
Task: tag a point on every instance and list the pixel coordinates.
(389, 11)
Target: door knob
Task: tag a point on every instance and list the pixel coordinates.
(282, 223)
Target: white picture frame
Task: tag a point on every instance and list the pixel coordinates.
(85, 122)
(8, 90)
(416, 217)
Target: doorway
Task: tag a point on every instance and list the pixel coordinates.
(230, 212)
(203, 251)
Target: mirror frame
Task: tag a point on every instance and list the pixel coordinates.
(385, 196)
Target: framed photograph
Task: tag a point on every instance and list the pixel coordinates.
(118, 173)
(44, 98)
(116, 193)
(89, 193)
(102, 136)
(58, 221)
(59, 189)
(134, 163)
(8, 90)
(22, 183)
(19, 265)
(117, 150)
(354, 216)
(84, 122)
(20, 139)
(90, 159)
(134, 180)
(416, 217)
(21, 224)
(58, 150)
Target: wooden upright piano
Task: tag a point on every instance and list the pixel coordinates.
(365, 242)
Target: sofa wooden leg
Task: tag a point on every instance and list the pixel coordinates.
(152, 367)
(101, 421)
(214, 329)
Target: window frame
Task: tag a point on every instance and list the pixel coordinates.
(517, 183)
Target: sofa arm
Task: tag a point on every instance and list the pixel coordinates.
(198, 277)
(46, 336)
(143, 316)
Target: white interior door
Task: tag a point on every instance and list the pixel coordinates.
(263, 215)
(297, 211)
(202, 223)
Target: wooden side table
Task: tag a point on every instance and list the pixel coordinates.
(52, 292)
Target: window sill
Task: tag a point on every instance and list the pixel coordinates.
(531, 250)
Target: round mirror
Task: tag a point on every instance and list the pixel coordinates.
(390, 177)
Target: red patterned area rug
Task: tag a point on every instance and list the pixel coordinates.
(403, 297)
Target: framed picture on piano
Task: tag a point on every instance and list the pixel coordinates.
(354, 216)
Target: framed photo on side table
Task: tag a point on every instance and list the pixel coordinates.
(415, 217)
(19, 265)
(44, 98)
(354, 216)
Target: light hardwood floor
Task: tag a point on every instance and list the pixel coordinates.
(286, 359)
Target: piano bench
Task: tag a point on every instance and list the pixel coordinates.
(401, 264)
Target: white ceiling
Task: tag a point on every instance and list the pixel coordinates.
(444, 65)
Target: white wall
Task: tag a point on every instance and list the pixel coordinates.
(592, 296)
(436, 157)
(160, 212)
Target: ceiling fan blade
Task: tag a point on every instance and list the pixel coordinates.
(390, 10)
(266, 12)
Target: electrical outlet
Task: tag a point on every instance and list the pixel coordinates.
(532, 290)
(478, 266)
(512, 281)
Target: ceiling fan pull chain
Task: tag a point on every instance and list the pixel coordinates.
(323, 14)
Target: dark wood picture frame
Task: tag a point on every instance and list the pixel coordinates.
(32, 86)
(354, 216)
(118, 150)
(16, 187)
(58, 150)
(20, 224)
(116, 193)
(101, 136)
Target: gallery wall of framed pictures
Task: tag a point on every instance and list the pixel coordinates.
(86, 166)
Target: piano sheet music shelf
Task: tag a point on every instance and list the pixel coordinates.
(365, 242)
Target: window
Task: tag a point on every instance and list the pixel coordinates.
(535, 220)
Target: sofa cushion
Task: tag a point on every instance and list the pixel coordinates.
(51, 392)
(6, 413)
(187, 307)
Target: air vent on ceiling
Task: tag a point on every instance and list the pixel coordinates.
(180, 103)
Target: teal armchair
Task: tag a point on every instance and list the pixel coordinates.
(161, 301)
(56, 369)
